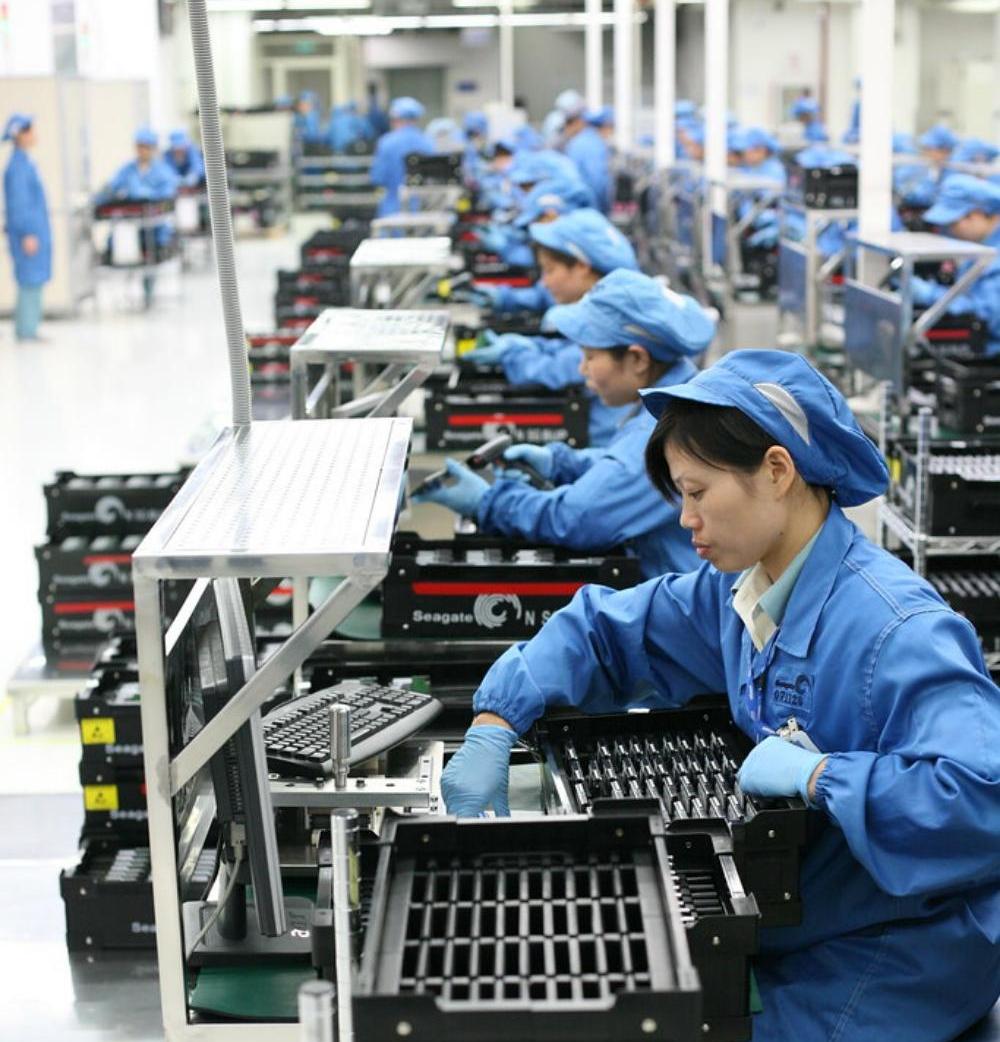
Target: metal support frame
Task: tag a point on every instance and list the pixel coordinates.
(593, 42)
(716, 104)
(624, 65)
(664, 77)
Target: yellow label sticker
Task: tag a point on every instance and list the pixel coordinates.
(100, 797)
(444, 288)
(895, 469)
(98, 730)
(464, 204)
(465, 345)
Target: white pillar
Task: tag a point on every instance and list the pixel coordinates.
(594, 53)
(996, 75)
(506, 54)
(716, 107)
(664, 80)
(875, 174)
(624, 83)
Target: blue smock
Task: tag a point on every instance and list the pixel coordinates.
(603, 499)
(157, 181)
(589, 151)
(345, 129)
(191, 170)
(982, 298)
(388, 167)
(27, 214)
(306, 127)
(901, 901)
(377, 119)
(771, 169)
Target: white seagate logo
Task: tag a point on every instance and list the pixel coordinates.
(491, 609)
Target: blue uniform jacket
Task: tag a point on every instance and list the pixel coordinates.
(900, 889)
(982, 298)
(157, 181)
(344, 129)
(389, 162)
(192, 171)
(27, 213)
(603, 499)
(589, 151)
(306, 126)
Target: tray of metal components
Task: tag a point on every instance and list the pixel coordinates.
(473, 411)
(962, 497)
(541, 929)
(117, 209)
(107, 504)
(445, 169)
(968, 395)
(970, 585)
(85, 618)
(108, 895)
(687, 759)
(488, 587)
(332, 286)
(825, 188)
(332, 247)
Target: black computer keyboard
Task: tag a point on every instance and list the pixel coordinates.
(297, 734)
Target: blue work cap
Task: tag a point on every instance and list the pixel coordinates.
(445, 127)
(734, 139)
(961, 194)
(823, 157)
(532, 167)
(476, 123)
(752, 137)
(571, 103)
(684, 108)
(602, 117)
(975, 150)
(938, 137)
(555, 193)
(146, 136)
(179, 139)
(782, 393)
(16, 123)
(695, 133)
(552, 127)
(903, 144)
(804, 106)
(405, 108)
(590, 237)
(309, 95)
(627, 307)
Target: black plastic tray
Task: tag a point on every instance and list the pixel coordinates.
(968, 395)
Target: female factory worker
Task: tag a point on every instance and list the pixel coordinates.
(637, 335)
(968, 208)
(388, 169)
(795, 613)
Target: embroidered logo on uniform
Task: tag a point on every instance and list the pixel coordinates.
(794, 690)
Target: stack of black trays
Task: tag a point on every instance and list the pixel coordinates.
(332, 248)
(445, 169)
(546, 929)
(825, 188)
(687, 759)
(968, 395)
(308, 292)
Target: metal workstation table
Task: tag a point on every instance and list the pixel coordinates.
(432, 196)
(407, 343)
(879, 325)
(270, 499)
(398, 272)
(426, 222)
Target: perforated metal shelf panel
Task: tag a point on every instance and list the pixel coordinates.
(285, 498)
(391, 336)
(442, 219)
(430, 252)
(925, 244)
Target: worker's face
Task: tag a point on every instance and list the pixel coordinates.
(607, 131)
(734, 158)
(566, 282)
(145, 153)
(936, 156)
(973, 227)
(754, 156)
(502, 161)
(179, 154)
(26, 139)
(735, 519)
(617, 381)
(694, 150)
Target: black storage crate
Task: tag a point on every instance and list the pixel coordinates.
(110, 722)
(968, 395)
(107, 504)
(70, 620)
(475, 410)
(687, 759)
(544, 929)
(963, 485)
(252, 159)
(81, 563)
(970, 585)
(332, 247)
(488, 587)
(114, 801)
(825, 188)
(133, 208)
(443, 169)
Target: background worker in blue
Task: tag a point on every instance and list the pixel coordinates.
(388, 169)
(806, 110)
(584, 144)
(968, 208)
(306, 124)
(900, 936)
(345, 128)
(29, 236)
(185, 159)
(574, 252)
(637, 335)
(376, 116)
(475, 129)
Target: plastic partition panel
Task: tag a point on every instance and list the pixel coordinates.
(791, 279)
(873, 332)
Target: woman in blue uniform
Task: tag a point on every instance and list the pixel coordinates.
(901, 884)
(636, 335)
(28, 233)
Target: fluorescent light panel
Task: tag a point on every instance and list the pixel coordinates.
(379, 25)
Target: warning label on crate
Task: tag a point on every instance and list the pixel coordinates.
(100, 797)
(99, 730)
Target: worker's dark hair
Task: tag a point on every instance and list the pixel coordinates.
(558, 256)
(719, 435)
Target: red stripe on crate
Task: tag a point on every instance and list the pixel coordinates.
(107, 559)
(948, 334)
(85, 607)
(502, 280)
(74, 665)
(475, 419)
(454, 589)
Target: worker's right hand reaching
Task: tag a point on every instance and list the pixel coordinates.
(537, 457)
(478, 775)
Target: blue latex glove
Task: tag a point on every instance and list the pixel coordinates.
(490, 354)
(925, 291)
(537, 456)
(485, 296)
(478, 775)
(778, 768)
(462, 495)
(491, 238)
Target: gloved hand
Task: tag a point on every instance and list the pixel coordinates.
(536, 456)
(485, 296)
(478, 775)
(490, 353)
(491, 238)
(778, 768)
(925, 291)
(462, 495)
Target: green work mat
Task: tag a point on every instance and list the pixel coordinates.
(756, 1006)
(250, 992)
(364, 623)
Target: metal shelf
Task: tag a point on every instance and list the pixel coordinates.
(924, 246)
(428, 222)
(935, 546)
(377, 254)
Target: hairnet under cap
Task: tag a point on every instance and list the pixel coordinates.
(800, 409)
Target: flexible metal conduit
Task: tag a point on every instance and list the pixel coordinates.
(218, 205)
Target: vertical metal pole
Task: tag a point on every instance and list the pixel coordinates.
(920, 495)
(506, 54)
(878, 26)
(316, 1011)
(343, 962)
(716, 105)
(593, 39)
(624, 82)
(812, 289)
(664, 80)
